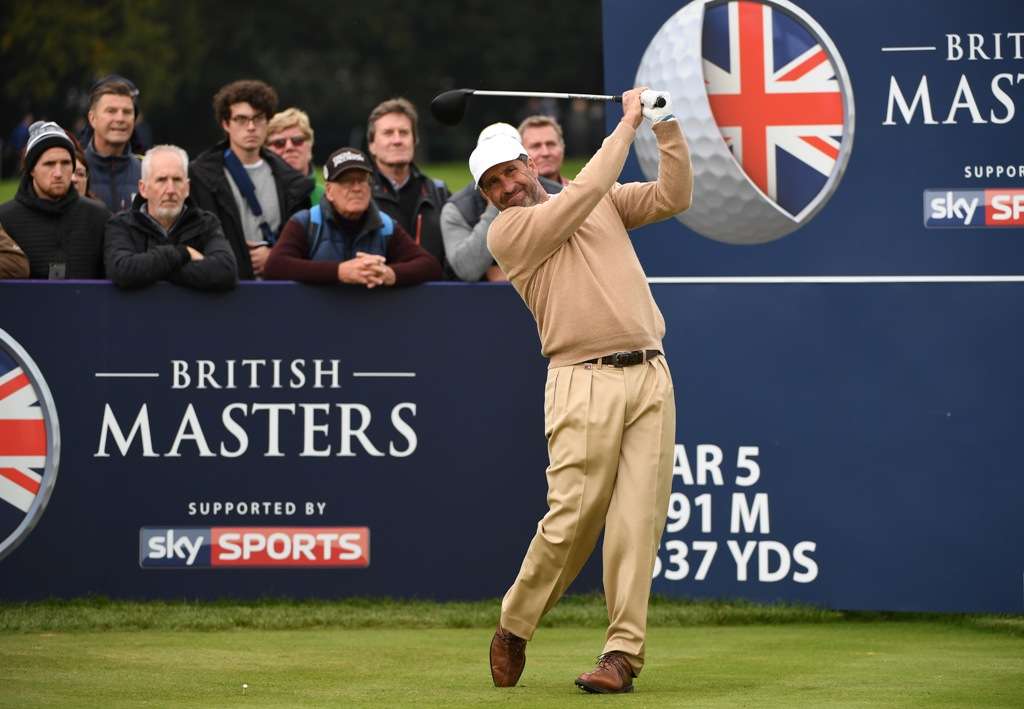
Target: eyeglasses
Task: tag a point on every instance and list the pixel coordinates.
(297, 141)
(242, 121)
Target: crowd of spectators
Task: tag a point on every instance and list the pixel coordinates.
(250, 206)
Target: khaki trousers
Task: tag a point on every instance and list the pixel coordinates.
(611, 433)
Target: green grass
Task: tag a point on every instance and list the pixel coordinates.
(102, 614)
(455, 174)
(380, 653)
(878, 664)
(7, 190)
(92, 614)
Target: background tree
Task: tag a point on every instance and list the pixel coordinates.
(334, 60)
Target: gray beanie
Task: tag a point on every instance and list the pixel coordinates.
(43, 135)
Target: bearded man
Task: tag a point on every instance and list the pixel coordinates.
(166, 237)
(59, 231)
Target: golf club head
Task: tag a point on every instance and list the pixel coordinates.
(450, 106)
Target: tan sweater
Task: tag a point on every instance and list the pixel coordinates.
(571, 260)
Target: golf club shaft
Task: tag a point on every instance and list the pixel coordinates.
(534, 94)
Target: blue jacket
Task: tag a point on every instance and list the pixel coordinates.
(115, 179)
(327, 242)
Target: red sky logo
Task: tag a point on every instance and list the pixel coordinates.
(29, 444)
(767, 108)
(253, 547)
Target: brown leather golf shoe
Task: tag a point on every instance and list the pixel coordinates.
(613, 675)
(508, 658)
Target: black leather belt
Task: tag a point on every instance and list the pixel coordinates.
(625, 359)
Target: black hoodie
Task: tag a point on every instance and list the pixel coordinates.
(68, 231)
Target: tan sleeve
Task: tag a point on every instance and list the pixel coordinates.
(13, 262)
(522, 238)
(642, 203)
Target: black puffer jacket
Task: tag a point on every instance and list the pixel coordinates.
(68, 231)
(424, 221)
(211, 191)
(138, 252)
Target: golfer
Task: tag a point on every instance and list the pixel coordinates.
(609, 411)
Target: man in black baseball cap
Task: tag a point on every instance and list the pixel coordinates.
(346, 238)
(60, 231)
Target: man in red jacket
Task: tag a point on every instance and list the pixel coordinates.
(346, 238)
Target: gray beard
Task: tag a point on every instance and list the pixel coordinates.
(166, 214)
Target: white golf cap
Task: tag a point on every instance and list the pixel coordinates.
(496, 129)
(491, 152)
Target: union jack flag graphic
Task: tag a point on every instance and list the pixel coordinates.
(774, 94)
(22, 439)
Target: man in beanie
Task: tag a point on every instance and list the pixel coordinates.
(466, 216)
(60, 231)
(346, 238)
(166, 237)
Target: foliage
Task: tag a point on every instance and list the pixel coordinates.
(54, 51)
(335, 60)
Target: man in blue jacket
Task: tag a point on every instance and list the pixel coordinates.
(114, 171)
(164, 236)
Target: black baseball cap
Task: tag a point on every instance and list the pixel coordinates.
(345, 159)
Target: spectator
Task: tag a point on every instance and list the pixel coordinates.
(542, 138)
(142, 138)
(13, 262)
(113, 168)
(19, 138)
(290, 136)
(60, 232)
(164, 236)
(411, 198)
(251, 190)
(346, 238)
(466, 217)
(80, 177)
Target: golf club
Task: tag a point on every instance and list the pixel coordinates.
(449, 107)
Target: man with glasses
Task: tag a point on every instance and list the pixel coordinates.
(346, 238)
(290, 137)
(250, 189)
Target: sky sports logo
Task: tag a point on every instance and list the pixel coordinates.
(958, 209)
(253, 547)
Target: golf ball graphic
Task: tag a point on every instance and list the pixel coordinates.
(765, 102)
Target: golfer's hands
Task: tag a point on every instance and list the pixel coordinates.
(656, 114)
(632, 109)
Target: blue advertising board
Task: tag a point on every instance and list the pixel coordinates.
(849, 445)
(843, 319)
(880, 137)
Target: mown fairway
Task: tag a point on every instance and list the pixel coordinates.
(352, 656)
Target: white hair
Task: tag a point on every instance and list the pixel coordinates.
(147, 159)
